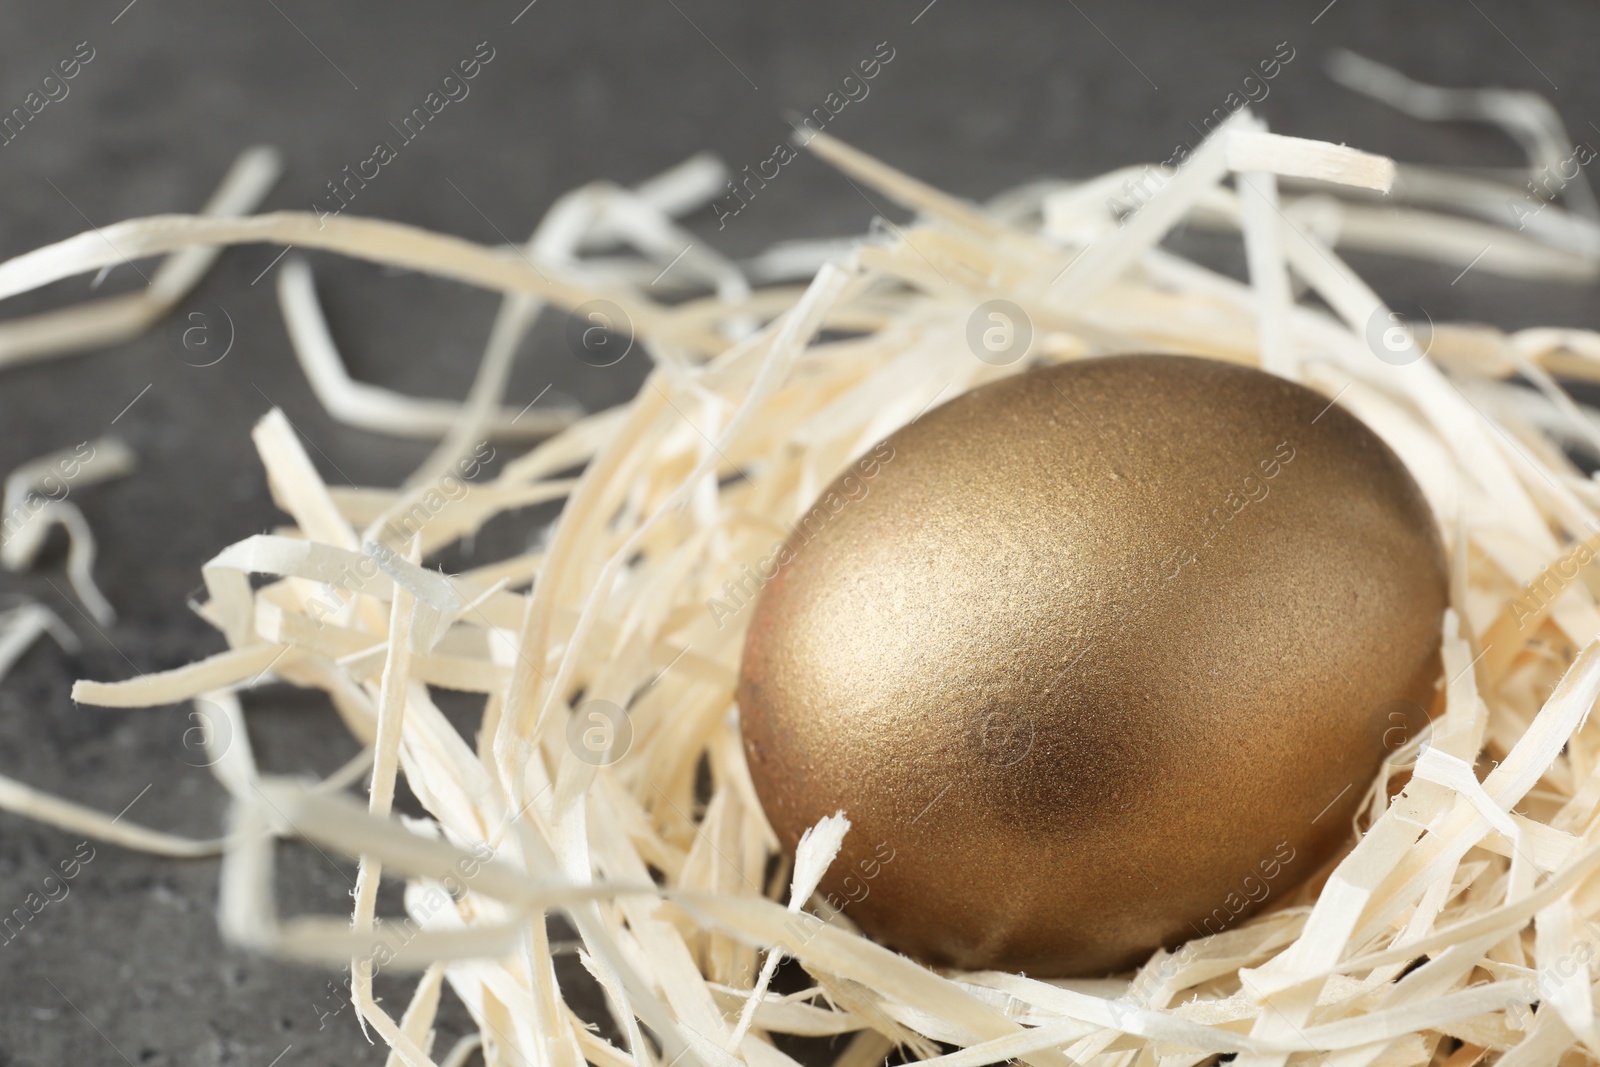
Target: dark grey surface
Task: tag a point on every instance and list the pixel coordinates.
(129, 965)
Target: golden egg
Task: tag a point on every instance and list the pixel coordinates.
(1097, 658)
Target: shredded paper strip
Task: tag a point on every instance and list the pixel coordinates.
(1458, 928)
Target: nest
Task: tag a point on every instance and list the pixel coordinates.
(607, 781)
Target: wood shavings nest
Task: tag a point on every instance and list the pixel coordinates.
(1458, 929)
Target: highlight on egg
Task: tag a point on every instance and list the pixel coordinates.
(1096, 658)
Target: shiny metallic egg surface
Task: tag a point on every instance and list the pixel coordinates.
(1097, 658)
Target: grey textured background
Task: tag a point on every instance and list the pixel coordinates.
(979, 97)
